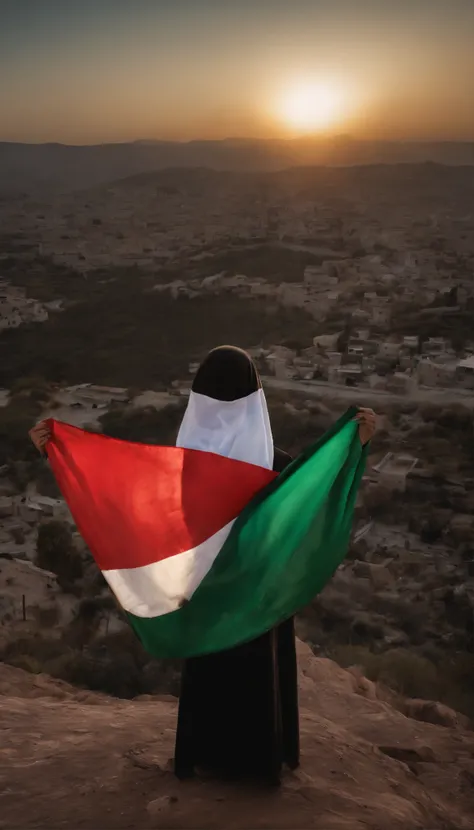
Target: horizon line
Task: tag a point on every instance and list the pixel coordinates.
(315, 139)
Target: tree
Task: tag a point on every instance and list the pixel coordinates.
(86, 621)
(343, 339)
(145, 424)
(34, 387)
(55, 552)
(294, 344)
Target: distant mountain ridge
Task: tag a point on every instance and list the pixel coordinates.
(31, 167)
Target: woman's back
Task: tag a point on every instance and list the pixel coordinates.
(238, 710)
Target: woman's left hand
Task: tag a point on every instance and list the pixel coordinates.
(367, 420)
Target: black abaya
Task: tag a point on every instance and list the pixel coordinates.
(238, 709)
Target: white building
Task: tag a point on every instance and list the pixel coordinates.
(326, 341)
(278, 366)
(90, 393)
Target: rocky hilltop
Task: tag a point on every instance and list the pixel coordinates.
(73, 758)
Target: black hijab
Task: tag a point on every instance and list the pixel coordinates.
(226, 374)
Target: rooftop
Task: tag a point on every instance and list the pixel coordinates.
(467, 363)
(396, 463)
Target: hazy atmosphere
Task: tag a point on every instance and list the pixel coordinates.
(294, 178)
(113, 70)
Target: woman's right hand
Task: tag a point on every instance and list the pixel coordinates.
(40, 435)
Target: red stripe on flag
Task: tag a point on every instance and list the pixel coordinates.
(135, 504)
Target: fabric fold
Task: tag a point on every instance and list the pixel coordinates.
(205, 552)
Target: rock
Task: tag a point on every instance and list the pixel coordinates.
(113, 763)
(160, 805)
(162, 698)
(396, 639)
(376, 574)
(363, 686)
(429, 711)
(381, 577)
(361, 568)
(412, 563)
(410, 755)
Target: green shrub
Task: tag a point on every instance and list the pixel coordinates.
(27, 662)
(146, 425)
(16, 420)
(55, 552)
(18, 535)
(47, 617)
(115, 664)
(450, 679)
(120, 335)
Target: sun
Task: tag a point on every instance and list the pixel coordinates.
(311, 107)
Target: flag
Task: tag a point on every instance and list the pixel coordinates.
(204, 552)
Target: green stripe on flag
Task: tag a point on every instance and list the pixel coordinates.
(282, 550)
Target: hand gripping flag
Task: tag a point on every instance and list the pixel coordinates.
(201, 551)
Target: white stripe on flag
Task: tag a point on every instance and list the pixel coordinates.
(159, 588)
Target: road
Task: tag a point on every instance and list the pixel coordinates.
(361, 395)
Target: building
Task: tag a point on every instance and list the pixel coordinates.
(381, 315)
(55, 508)
(431, 373)
(410, 341)
(361, 315)
(212, 281)
(349, 374)
(334, 358)
(389, 350)
(355, 349)
(326, 341)
(435, 346)
(29, 513)
(278, 366)
(92, 394)
(465, 372)
(402, 383)
(377, 382)
(393, 470)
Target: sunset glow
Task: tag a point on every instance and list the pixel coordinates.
(112, 70)
(312, 106)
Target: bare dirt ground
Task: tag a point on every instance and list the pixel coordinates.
(72, 759)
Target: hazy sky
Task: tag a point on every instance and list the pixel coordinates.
(85, 71)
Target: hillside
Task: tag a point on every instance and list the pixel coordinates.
(60, 166)
(79, 759)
